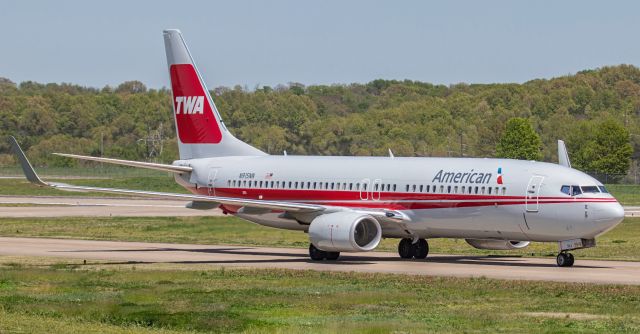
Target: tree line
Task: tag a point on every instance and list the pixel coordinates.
(597, 112)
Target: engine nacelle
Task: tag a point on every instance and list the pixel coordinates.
(497, 244)
(345, 232)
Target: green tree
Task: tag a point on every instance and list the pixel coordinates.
(601, 147)
(519, 141)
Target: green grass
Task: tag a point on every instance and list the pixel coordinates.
(626, 194)
(21, 187)
(621, 243)
(134, 299)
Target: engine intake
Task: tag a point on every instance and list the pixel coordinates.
(497, 244)
(345, 232)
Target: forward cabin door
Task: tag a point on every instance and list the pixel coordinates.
(211, 180)
(531, 199)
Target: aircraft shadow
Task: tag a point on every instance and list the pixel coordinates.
(345, 259)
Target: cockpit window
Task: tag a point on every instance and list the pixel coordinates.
(590, 189)
(603, 189)
(575, 190)
(566, 190)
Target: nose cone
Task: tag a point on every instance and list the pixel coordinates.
(611, 215)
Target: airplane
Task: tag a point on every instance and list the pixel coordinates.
(348, 204)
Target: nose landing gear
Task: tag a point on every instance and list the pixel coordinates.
(565, 259)
(407, 249)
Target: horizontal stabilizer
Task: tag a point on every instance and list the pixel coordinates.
(139, 164)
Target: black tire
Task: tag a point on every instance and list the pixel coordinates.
(405, 249)
(571, 259)
(564, 260)
(420, 249)
(316, 254)
(332, 256)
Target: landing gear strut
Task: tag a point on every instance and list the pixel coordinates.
(409, 250)
(318, 255)
(565, 259)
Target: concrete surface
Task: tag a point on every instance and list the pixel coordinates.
(587, 271)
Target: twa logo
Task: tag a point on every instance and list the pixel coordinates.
(190, 105)
(195, 119)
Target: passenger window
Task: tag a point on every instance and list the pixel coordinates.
(421, 188)
(350, 186)
(575, 190)
(455, 189)
(566, 190)
(497, 190)
(407, 188)
(414, 188)
(428, 188)
(482, 190)
(394, 187)
(442, 189)
(489, 190)
(504, 190)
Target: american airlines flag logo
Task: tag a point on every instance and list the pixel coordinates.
(499, 175)
(269, 176)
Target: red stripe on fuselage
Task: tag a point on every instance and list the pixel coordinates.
(388, 200)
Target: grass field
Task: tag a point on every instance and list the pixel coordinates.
(70, 298)
(620, 243)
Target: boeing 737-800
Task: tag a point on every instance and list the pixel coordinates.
(348, 204)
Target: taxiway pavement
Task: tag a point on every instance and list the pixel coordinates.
(503, 267)
(59, 206)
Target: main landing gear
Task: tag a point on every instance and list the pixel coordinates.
(318, 255)
(410, 250)
(565, 259)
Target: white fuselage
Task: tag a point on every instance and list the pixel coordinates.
(443, 197)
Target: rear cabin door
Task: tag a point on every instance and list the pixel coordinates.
(211, 180)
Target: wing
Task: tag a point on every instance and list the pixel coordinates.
(309, 211)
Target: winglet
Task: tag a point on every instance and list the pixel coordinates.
(563, 155)
(25, 164)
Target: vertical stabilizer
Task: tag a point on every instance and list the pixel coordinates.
(201, 132)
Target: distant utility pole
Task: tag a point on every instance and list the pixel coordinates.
(154, 142)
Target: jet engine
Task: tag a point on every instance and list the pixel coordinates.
(345, 232)
(497, 244)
